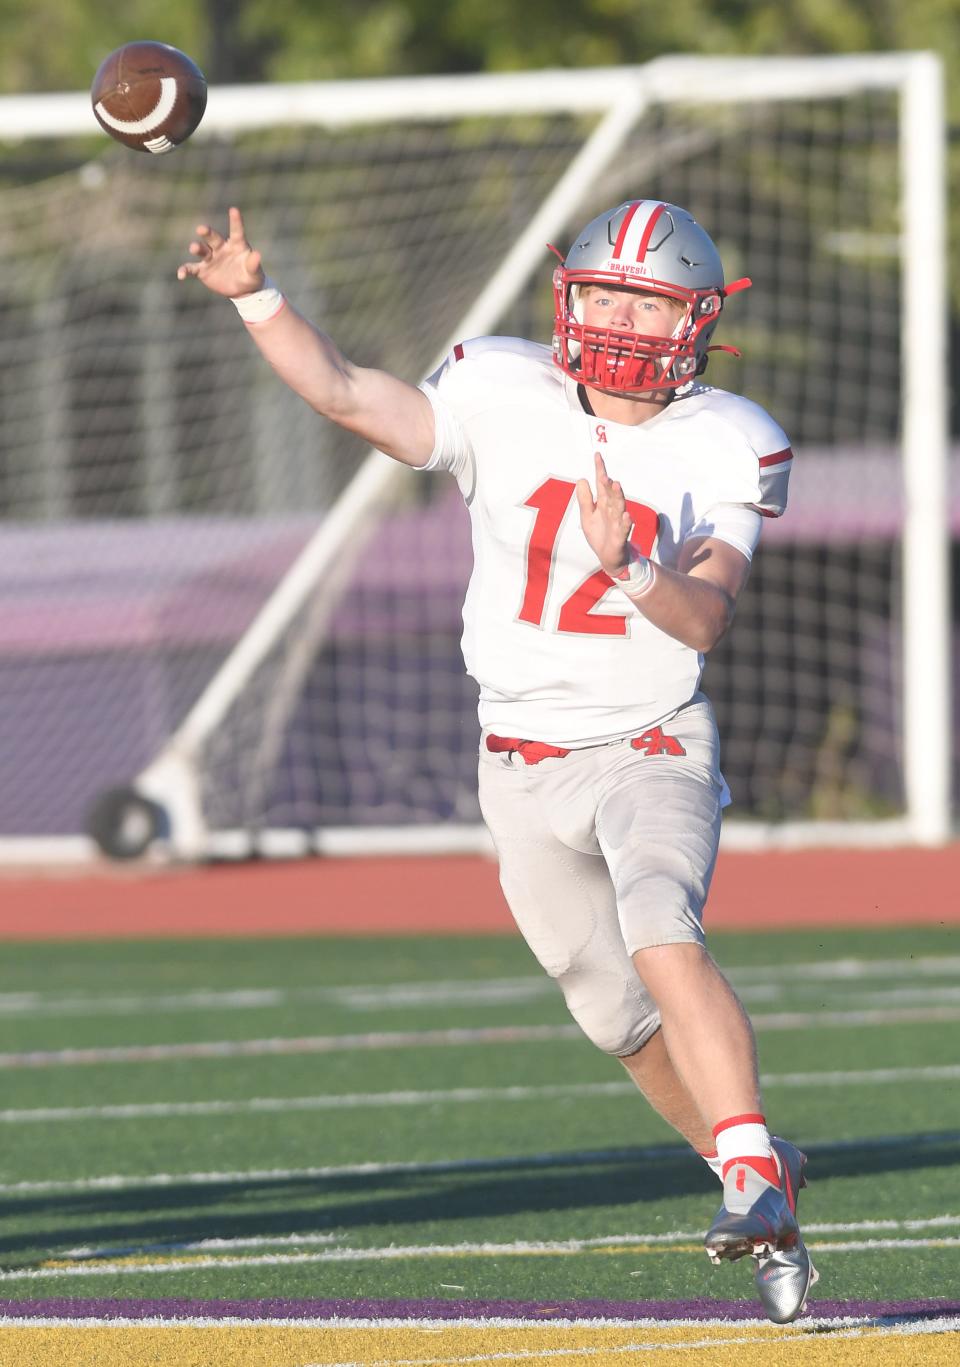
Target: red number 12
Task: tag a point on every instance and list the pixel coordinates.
(551, 501)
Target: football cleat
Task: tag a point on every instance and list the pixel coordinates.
(756, 1217)
(783, 1280)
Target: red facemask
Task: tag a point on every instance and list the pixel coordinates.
(614, 359)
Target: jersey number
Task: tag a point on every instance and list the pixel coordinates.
(551, 502)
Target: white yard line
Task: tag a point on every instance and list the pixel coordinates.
(818, 1020)
(856, 1226)
(484, 991)
(348, 1101)
(374, 1322)
(133, 1181)
(511, 1162)
(206, 1245)
(681, 1236)
(416, 1039)
(850, 970)
(308, 1044)
(137, 1265)
(871, 1245)
(939, 1325)
(905, 996)
(947, 1072)
(456, 1096)
(373, 997)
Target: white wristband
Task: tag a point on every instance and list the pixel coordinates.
(638, 578)
(261, 304)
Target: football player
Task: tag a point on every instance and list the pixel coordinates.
(616, 502)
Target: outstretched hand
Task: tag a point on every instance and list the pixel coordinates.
(605, 521)
(226, 265)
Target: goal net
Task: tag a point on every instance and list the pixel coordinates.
(233, 627)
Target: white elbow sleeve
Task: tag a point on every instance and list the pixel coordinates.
(734, 523)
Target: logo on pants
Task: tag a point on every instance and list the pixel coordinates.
(654, 742)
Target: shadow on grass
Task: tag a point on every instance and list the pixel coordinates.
(175, 1213)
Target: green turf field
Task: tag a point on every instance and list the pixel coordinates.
(361, 1123)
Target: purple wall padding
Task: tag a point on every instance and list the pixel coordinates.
(110, 630)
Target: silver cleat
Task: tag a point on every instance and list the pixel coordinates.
(783, 1282)
(784, 1278)
(759, 1220)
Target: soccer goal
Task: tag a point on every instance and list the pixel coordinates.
(195, 657)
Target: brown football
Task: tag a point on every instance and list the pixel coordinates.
(149, 96)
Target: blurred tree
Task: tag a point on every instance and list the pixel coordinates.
(397, 37)
(58, 44)
(235, 50)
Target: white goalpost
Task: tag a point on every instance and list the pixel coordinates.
(197, 666)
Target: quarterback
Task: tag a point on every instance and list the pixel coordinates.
(616, 502)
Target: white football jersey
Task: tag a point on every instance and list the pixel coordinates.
(560, 653)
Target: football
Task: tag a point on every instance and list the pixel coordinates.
(149, 96)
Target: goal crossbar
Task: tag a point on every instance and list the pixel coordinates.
(232, 109)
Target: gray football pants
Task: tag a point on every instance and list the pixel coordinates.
(604, 852)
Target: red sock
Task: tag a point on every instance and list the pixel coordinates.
(744, 1139)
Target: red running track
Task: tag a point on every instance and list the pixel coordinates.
(458, 895)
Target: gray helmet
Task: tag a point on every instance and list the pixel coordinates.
(643, 244)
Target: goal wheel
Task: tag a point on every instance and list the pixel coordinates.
(124, 823)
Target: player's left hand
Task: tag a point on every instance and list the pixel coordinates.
(605, 521)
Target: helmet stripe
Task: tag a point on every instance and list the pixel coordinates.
(648, 230)
(624, 227)
(633, 233)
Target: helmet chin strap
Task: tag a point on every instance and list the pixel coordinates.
(576, 312)
(677, 335)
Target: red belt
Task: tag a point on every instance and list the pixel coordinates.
(654, 742)
(530, 751)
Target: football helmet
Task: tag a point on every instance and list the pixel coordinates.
(642, 244)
